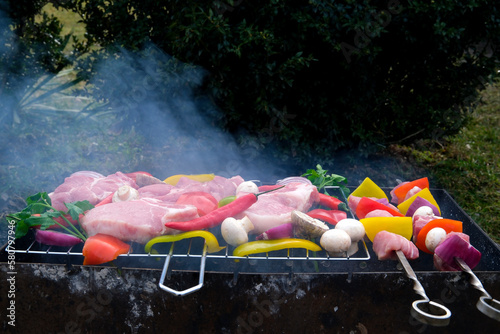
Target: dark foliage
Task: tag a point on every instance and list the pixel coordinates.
(315, 76)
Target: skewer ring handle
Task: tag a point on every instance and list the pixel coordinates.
(489, 306)
(440, 316)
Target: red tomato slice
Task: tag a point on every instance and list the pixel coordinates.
(203, 201)
(102, 248)
(330, 216)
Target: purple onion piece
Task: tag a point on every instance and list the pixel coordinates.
(54, 238)
(455, 246)
(419, 202)
(293, 179)
(278, 232)
(384, 201)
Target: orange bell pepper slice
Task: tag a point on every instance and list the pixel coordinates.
(402, 190)
(102, 248)
(367, 205)
(398, 225)
(449, 225)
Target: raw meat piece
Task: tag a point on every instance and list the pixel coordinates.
(140, 220)
(385, 243)
(412, 192)
(378, 213)
(219, 188)
(137, 220)
(394, 198)
(275, 208)
(158, 191)
(352, 202)
(90, 186)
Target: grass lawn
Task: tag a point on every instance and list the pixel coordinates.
(467, 165)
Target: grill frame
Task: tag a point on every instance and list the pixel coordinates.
(294, 296)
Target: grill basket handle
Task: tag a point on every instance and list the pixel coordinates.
(191, 289)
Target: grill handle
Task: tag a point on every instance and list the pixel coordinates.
(189, 290)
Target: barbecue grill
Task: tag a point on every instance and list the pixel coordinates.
(180, 287)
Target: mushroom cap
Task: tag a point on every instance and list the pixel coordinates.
(353, 227)
(247, 187)
(335, 241)
(423, 211)
(306, 226)
(125, 193)
(235, 232)
(434, 237)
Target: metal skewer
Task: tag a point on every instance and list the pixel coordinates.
(485, 304)
(441, 314)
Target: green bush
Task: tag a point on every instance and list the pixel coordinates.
(313, 77)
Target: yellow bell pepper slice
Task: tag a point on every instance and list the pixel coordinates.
(196, 177)
(424, 193)
(210, 240)
(398, 225)
(368, 188)
(265, 246)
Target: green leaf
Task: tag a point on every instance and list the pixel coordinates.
(39, 212)
(38, 208)
(39, 197)
(321, 179)
(42, 221)
(78, 208)
(21, 229)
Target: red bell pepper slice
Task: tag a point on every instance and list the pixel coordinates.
(401, 191)
(367, 205)
(203, 201)
(107, 200)
(330, 216)
(102, 248)
(449, 225)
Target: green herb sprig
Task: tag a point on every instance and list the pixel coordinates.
(321, 179)
(40, 212)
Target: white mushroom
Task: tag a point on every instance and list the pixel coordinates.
(247, 187)
(425, 211)
(356, 231)
(335, 242)
(307, 227)
(434, 238)
(125, 193)
(235, 232)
